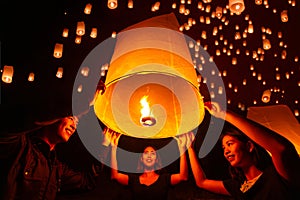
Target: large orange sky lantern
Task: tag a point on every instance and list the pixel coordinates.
(151, 84)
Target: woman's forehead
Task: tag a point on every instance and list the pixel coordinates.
(149, 148)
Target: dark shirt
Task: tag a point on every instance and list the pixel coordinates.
(269, 186)
(156, 191)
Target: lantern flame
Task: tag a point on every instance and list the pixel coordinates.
(146, 119)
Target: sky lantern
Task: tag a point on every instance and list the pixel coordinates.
(151, 84)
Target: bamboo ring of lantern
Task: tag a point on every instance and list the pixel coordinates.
(151, 84)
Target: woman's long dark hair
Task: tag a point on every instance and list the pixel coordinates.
(261, 157)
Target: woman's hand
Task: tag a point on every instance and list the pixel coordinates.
(110, 137)
(215, 110)
(189, 139)
(181, 141)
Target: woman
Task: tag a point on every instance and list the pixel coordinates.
(255, 174)
(148, 183)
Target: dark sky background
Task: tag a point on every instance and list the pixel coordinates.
(29, 31)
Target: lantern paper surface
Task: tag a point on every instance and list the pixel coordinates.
(151, 84)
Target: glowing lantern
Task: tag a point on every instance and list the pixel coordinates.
(88, 9)
(284, 16)
(58, 50)
(236, 6)
(266, 96)
(80, 28)
(219, 11)
(130, 4)
(59, 73)
(31, 77)
(112, 4)
(151, 84)
(93, 33)
(7, 74)
(266, 44)
(65, 32)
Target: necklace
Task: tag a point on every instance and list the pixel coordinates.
(248, 184)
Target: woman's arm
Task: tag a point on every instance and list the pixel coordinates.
(215, 186)
(183, 171)
(121, 178)
(284, 155)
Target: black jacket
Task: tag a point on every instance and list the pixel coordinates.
(29, 170)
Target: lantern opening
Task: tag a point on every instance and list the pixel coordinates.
(148, 121)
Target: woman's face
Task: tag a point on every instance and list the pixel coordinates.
(149, 157)
(235, 151)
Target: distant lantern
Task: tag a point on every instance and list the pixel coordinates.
(284, 16)
(114, 34)
(93, 33)
(234, 61)
(59, 73)
(219, 11)
(156, 6)
(88, 9)
(79, 89)
(266, 44)
(112, 4)
(58, 50)
(85, 71)
(7, 74)
(31, 77)
(258, 2)
(78, 39)
(80, 28)
(65, 32)
(266, 96)
(236, 6)
(155, 67)
(130, 4)
(250, 28)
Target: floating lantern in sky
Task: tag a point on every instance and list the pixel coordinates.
(59, 73)
(266, 96)
(7, 74)
(88, 9)
(236, 6)
(58, 50)
(112, 4)
(31, 77)
(151, 84)
(93, 33)
(80, 28)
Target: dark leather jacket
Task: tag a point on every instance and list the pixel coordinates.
(34, 172)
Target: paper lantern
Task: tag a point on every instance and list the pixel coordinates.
(219, 12)
(130, 4)
(65, 32)
(93, 33)
(151, 84)
(266, 44)
(58, 50)
(284, 16)
(7, 74)
(266, 96)
(59, 73)
(31, 77)
(78, 39)
(112, 4)
(80, 28)
(236, 6)
(88, 9)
